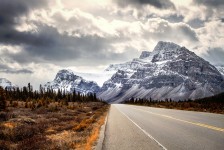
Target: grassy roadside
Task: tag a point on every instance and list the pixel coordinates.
(53, 126)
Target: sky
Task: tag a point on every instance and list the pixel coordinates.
(40, 37)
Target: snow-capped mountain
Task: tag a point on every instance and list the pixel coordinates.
(7, 84)
(220, 69)
(169, 71)
(68, 81)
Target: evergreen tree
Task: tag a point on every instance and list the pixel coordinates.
(2, 99)
(74, 96)
(29, 87)
(94, 97)
(43, 97)
(79, 96)
(59, 94)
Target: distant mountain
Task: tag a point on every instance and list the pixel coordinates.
(68, 81)
(7, 84)
(169, 71)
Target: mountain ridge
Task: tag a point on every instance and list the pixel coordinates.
(169, 71)
(68, 81)
(5, 83)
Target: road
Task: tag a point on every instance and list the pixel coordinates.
(143, 128)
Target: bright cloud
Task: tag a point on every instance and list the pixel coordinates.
(39, 38)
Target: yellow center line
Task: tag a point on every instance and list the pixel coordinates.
(194, 123)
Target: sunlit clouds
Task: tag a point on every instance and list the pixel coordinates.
(88, 35)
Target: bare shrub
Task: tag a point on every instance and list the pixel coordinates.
(4, 145)
(84, 124)
(35, 142)
(4, 116)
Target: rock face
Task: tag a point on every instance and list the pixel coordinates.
(68, 81)
(220, 69)
(7, 84)
(169, 71)
(144, 54)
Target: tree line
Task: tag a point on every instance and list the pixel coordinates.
(44, 95)
(208, 104)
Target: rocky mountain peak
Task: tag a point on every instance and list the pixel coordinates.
(165, 51)
(65, 75)
(144, 54)
(169, 71)
(166, 46)
(68, 81)
(7, 84)
(4, 80)
(220, 69)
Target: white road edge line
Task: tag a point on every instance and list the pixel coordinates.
(164, 148)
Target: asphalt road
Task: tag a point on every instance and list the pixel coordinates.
(135, 127)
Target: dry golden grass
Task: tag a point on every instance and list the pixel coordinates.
(84, 124)
(57, 126)
(9, 125)
(95, 133)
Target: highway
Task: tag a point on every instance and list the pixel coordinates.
(143, 128)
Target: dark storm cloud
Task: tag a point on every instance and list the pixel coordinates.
(214, 7)
(174, 18)
(166, 31)
(215, 56)
(6, 69)
(210, 3)
(48, 45)
(10, 10)
(196, 23)
(17, 71)
(161, 4)
(15, 37)
(10, 13)
(212, 10)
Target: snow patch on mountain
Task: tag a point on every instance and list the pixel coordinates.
(68, 81)
(169, 71)
(7, 84)
(220, 69)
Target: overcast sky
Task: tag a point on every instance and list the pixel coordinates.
(39, 37)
